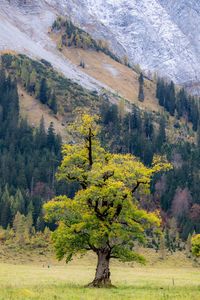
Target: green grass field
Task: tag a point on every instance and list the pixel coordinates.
(63, 282)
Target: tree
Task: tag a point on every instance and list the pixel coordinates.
(43, 91)
(148, 125)
(26, 157)
(181, 203)
(196, 245)
(5, 214)
(171, 98)
(33, 78)
(40, 136)
(82, 63)
(19, 224)
(141, 88)
(53, 103)
(104, 216)
(161, 137)
(51, 136)
(18, 203)
(160, 91)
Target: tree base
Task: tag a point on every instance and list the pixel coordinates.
(100, 284)
(102, 276)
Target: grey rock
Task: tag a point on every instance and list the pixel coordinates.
(160, 35)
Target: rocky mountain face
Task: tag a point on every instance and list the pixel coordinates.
(24, 26)
(160, 35)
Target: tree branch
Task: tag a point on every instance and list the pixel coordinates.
(96, 210)
(137, 186)
(107, 175)
(90, 136)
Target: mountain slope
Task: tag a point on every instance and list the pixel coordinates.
(24, 28)
(160, 35)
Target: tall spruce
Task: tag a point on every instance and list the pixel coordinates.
(141, 88)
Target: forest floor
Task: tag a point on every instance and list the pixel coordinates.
(42, 278)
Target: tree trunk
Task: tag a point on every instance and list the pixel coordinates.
(102, 276)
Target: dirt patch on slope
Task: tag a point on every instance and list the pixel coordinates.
(33, 110)
(118, 77)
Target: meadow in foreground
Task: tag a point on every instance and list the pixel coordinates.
(40, 282)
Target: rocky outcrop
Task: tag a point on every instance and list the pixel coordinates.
(24, 28)
(160, 35)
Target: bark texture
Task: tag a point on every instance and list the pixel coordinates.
(102, 276)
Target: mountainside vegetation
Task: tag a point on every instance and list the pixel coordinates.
(102, 65)
(30, 166)
(73, 36)
(28, 160)
(178, 103)
(99, 150)
(50, 88)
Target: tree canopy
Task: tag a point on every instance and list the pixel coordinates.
(104, 216)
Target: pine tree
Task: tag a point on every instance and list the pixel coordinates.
(32, 84)
(160, 92)
(161, 137)
(141, 88)
(51, 136)
(5, 213)
(171, 99)
(40, 136)
(148, 125)
(18, 203)
(19, 225)
(53, 103)
(43, 91)
(40, 224)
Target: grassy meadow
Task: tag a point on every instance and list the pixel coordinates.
(175, 278)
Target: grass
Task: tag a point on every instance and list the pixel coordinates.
(121, 79)
(61, 282)
(118, 77)
(33, 110)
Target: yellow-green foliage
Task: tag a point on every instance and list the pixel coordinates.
(105, 212)
(196, 245)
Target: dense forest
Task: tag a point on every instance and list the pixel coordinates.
(177, 191)
(28, 160)
(177, 103)
(30, 157)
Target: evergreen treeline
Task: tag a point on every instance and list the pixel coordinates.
(28, 160)
(50, 88)
(132, 132)
(177, 191)
(178, 103)
(29, 157)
